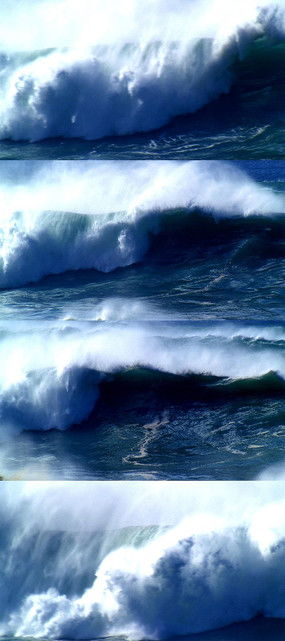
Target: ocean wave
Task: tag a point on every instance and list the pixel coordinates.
(58, 387)
(213, 556)
(106, 215)
(139, 82)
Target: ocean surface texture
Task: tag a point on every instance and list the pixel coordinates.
(142, 561)
(142, 319)
(153, 79)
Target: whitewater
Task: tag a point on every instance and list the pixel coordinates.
(139, 560)
(133, 69)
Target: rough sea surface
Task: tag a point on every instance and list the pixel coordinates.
(142, 320)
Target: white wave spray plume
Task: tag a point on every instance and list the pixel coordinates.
(142, 560)
(62, 23)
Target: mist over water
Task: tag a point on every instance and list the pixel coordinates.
(128, 21)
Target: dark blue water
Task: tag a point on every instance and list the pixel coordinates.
(259, 629)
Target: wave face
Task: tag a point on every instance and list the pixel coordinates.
(144, 560)
(116, 76)
(105, 215)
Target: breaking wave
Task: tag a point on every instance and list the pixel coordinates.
(141, 560)
(116, 75)
(56, 371)
(105, 215)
